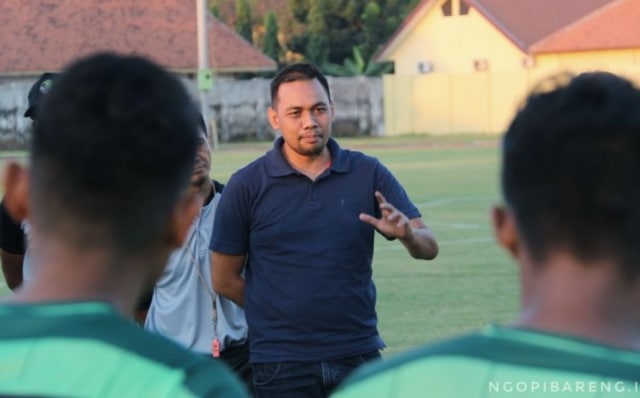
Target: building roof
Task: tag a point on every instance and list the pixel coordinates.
(613, 26)
(48, 34)
(525, 22)
(537, 26)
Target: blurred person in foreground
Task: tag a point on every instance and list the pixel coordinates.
(571, 220)
(108, 199)
(13, 233)
(302, 218)
(183, 306)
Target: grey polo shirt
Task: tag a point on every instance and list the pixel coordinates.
(181, 308)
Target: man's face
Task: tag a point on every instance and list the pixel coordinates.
(303, 113)
(202, 167)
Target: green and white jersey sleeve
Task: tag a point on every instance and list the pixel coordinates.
(85, 349)
(502, 362)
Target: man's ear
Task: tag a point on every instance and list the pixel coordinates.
(183, 215)
(274, 121)
(333, 111)
(505, 230)
(16, 191)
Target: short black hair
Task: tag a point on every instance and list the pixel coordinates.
(571, 169)
(296, 72)
(201, 124)
(112, 152)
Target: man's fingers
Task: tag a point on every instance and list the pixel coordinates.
(403, 222)
(368, 219)
(380, 197)
(387, 206)
(398, 218)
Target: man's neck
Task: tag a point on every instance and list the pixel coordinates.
(311, 166)
(589, 301)
(62, 273)
(208, 191)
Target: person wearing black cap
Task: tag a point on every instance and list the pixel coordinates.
(37, 93)
(12, 232)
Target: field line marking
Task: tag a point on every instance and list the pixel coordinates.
(465, 241)
(441, 243)
(446, 201)
(460, 225)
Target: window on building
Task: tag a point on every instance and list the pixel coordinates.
(464, 7)
(447, 8)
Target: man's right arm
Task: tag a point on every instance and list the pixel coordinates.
(12, 248)
(226, 275)
(12, 268)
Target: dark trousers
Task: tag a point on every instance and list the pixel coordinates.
(237, 358)
(304, 379)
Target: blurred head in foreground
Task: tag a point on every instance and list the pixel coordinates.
(570, 179)
(111, 160)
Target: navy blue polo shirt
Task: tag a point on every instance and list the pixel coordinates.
(309, 293)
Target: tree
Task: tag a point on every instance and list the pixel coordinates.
(357, 66)
(317, 48)
(373, 29)
(299, 9)
(321, 31)
(215, 8)
(270, 44)
(244, 23)
(325, 31)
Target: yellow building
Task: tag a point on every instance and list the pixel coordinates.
(465, 65)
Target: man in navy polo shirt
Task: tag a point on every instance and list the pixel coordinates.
(293, 244)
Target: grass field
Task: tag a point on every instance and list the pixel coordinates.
(453, 181)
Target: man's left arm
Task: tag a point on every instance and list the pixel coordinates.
(422, 244)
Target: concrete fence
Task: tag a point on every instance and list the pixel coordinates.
(14, 128)
(237, 108)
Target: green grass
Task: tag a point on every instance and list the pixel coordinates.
(453, 180)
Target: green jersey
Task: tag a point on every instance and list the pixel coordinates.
(86, 349)
(502, 362)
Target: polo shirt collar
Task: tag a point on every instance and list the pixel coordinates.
(277, 165)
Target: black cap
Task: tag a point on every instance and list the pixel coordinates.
(37, 91)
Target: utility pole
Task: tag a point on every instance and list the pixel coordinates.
(205, 74)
